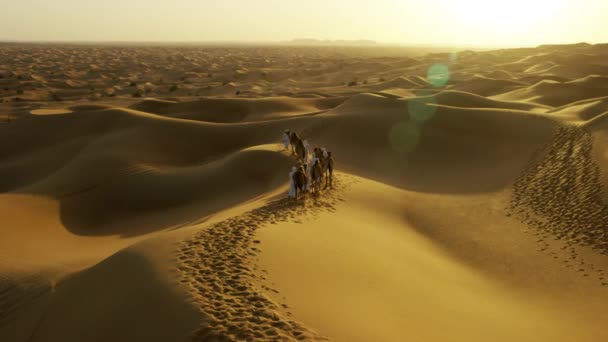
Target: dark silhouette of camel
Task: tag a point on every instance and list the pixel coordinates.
(300, 180)
(293, 140)
(316, 175)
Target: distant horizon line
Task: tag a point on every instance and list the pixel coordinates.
(293, 42)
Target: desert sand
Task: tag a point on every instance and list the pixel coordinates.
(143, 194)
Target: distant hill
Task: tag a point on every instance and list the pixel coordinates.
(326, 42)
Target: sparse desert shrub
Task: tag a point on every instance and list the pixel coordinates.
(173, 88)
(352, 83)
(133, 84)
(364, 81)
(136, 94)
(238, 92)
(55, 97)
(382, 79)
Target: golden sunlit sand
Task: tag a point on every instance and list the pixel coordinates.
(143, 194)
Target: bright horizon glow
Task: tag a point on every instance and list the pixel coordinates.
(421, 22)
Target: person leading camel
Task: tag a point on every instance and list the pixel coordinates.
(307, 147)
(286, 138)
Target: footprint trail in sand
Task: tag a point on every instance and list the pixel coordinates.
(218, 265)
(560, 195)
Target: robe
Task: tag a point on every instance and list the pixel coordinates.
(307, 150)
(309, 180)
(286, 140)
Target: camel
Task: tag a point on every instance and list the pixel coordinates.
(294, 138)
(299, 180)
(300, 150)
(316, 175)
(323, 156)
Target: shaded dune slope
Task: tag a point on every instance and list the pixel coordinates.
(123, 167)
(438, 154)
(554, 93)
(583, 110)
(115, 143)
(134, 281)
(238, 110)
(487, 86)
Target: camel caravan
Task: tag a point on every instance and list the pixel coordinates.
(308, 176)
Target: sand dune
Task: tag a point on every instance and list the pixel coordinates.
(377, 274)
(486, 86)
(585, 109)
(143, 194)
(554, 93)
(238, 110)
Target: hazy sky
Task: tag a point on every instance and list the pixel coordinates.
(439, 22)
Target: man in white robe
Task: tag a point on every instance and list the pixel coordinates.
(306, 150)
(286, 139)
(309, 171)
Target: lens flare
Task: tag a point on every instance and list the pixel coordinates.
(422, 109)
(438, 75)
(404, 136)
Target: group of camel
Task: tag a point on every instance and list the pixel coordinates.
(309, 176)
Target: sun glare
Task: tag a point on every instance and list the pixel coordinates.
(503, 19)
(457, 23)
